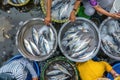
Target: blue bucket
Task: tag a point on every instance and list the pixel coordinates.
(35, 66)
(116, 67)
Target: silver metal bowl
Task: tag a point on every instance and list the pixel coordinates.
(25, 33)
(94, 44)
(106, 34)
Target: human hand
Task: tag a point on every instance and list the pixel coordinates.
(47, 20)
(72, 16)
(34, 78)
(115, 15)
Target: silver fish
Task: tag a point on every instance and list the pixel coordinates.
(56, 4)
(87, 54)
(82, 45)
(86, 27)
(61, 68)
(55, 14)
(79, 53)
(106, 45)
(54, 72)
(51, 35)
(70, 35)
(75, 38)
(18, 1)
(34, 47)
(42, 29)
(116, 38)
(46, 46)
(58, 77)
(28, 47)
(35, 36)
(63, 11)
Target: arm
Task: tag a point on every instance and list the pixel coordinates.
(48, 11)
(114, 73)
(102, 11)
(72, 15)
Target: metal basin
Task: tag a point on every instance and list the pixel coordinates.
(25, 32)
(92, 47)
(110, 32)
(65, 63)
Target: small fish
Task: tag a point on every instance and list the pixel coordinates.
(35, 36)
(42, 29)
(51, 35)
(87, 54)
(58, 77)
(80, 52)
(28, 47)
(34, 47)
(61, 68)
(46, 46)
(116, 38)
(70, 35)
(54, 72)
(56, 4)
(82, 45)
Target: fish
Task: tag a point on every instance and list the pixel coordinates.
(36, 2)
(116, 38)
(54, 72)
(51, 35)
(58, 77)
(85, 27)
(28, 47)
(61, 68)
(35, 36)
(55, 14)
(56, 4)
(70, 35)
(80, 52)
(46, 46)
(75, 38)
(18, 1)
(106, 46)
(34, 47)
(82, 45)
(42, 29)
(64, 43)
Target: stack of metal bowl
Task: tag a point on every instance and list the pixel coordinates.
(59, 68)
(35, 40)
(79, 41)
(110, 35)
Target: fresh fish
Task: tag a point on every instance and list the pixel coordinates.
(18, 1)
(42, 29)
(56, 4)
(61, 68)
(55, 14)
(82, 45)
(28, 47)
(70, 35)
(87, 54)
(75, 38)
(35, 36)
(106, 45)
(46, 46)
(86, 27)
(58, 77)
(51, 35)
(116, 38)
(63, 11)
(34, 47)
(36, 2)
(64, 43)
(113, 47)
(54, 72)
(79, 53)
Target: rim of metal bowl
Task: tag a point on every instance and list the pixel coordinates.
(28, 55)
(54, 20)
(97, 48)
(106, 52)
(22, 4)
(60, 58)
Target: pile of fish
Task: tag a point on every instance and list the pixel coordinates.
(42, 41)
(77, 40)
(59, 73)
(61, 9)
(111, 37)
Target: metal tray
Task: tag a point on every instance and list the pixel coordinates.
(94, 44)
(25, 33)
(105, 33)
